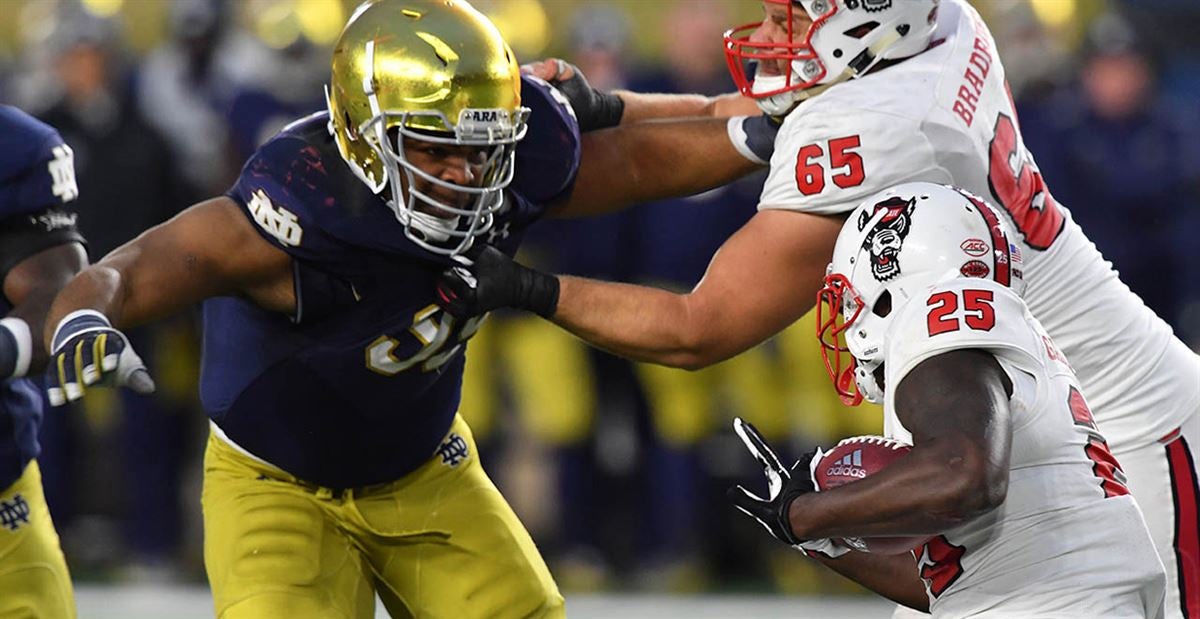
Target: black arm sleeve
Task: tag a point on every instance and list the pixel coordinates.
(319, 294)
(22, 236)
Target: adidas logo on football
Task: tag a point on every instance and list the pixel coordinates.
(850, 465)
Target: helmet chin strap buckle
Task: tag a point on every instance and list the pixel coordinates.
(868, 387)
(783, 103)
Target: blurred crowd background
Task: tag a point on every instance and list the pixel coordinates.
(618, 469)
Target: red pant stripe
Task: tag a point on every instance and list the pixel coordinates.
(1187, 525)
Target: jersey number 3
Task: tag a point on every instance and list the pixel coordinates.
(847, 165)
(438, 335)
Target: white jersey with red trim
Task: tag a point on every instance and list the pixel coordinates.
(946, 116)
(1068, 538)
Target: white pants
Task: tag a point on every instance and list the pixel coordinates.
(1164, 477)
(1165, 480)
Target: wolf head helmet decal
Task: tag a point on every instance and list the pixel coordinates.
(887, 237)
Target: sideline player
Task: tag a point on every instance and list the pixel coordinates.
(1008, 473)
(40, 250)
(337, 465)
(928, 101)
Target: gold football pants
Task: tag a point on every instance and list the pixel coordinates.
(439, 542)
(33, 574)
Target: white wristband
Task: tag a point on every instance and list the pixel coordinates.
(20, 332)
(72, 316)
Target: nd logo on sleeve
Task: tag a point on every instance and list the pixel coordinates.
(275, 220)
(62, 173)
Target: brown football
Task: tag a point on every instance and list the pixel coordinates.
(853, 459)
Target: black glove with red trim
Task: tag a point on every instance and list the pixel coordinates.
(492, 281)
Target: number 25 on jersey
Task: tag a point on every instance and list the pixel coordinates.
(976, 311)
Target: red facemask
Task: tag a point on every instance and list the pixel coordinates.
(831, 332)
(741, 50)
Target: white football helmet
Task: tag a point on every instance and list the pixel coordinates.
(895, 246)
(847, 38)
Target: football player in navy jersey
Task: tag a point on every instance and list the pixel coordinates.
(338, 466)
(40, 250)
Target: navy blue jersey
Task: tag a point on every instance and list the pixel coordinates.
(36, 175)
(364, 390)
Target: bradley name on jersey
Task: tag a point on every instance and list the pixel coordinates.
(360, 385)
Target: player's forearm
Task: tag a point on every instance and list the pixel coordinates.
(655, 106)
(33, 311)
(648, 161)
(32, 286)
(97, 288)
(899, 500)
(893, 576)
(133, 285)
(636, 322)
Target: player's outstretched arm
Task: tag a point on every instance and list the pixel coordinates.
(208, 250)
(642, 106)
(762, 279)
(956, 406)
(648, 161)
(596, 109)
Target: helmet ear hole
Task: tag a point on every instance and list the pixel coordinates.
(861, 30)
(883, 305)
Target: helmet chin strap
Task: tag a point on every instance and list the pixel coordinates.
(433, 227)
(783, 103)
(864, 378)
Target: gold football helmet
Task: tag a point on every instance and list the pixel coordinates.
(431, 70)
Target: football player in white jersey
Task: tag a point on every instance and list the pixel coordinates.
(1024, 507)
(875, 93)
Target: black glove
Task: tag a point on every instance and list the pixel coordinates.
(493, 281)
(783, 486)
(594, 109)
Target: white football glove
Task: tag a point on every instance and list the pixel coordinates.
(87, 350)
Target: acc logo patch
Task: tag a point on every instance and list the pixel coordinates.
(975, 268)
(887, 237)
(975, 247)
